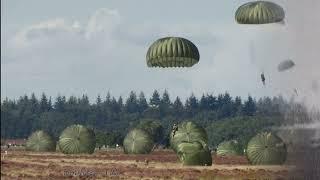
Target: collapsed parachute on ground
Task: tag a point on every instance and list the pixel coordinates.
(188, 132)
(266, 149)
(194, 153)
(259, 12)
(40, 141)
(172, 52)
(77, 139)
(229, 148)
(137, 141)
(285, 65)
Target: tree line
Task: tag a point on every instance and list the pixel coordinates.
(223, 116)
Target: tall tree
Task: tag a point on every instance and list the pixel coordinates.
(212, 102)
(226, 106)
(60, 103)
(132, 103)
(192, 105)
(178, 107)
(249, 108)
(142, 101)
(165, 103)
(44, 104)
(204, 105)
(99, 101)
(155, 99)
(237, 107)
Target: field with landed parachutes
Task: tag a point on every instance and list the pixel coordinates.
(117, 165)
(189, 157)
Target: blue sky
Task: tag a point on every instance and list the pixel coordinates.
(92, 47)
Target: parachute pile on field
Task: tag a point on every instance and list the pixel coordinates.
(172, 52)
(259, 12)
(187, 132)
(190, 141)
(227, 148)
(266, 149)
(194, 153)
(40, 141)
(77, 139)
(285, 65)
(137, 141)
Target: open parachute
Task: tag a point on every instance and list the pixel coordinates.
(285, 65)
(137, 141)
(266, 149)
(40, 141)
(259, 12)
(172, 52)
(77, 139)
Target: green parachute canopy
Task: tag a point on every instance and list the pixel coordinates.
(188, 132)
(40, 141)
(285, 65)
(266, 149)
(137, 141)
(77, 139)
(172, 52)
(194, 153)
(229, 148)
(259, 12)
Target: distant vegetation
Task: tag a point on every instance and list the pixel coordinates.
(223, 116)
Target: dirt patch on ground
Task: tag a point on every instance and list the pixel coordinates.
(162, 164)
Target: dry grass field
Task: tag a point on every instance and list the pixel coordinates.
(113, 164)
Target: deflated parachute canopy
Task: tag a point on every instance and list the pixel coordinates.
(77, 139)
(172, 52)
(259, 12)
(40, 141)
(137, 141)
(194, 153)
(285, 65)
(266, 149)
(229, 148)
(188, 132)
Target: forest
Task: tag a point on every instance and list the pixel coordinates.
(223, 116)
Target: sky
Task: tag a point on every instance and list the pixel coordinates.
(80, 47)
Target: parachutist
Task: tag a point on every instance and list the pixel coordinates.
(263, 79)
(174, 129)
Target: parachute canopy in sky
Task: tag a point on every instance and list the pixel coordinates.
(172, 52)
(285, 65)
(40, 141)
(137, 141)
(266, 149)
(259, 12)
(77, 139)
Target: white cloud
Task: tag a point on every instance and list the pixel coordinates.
(103, 21)
(45, 30)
